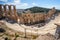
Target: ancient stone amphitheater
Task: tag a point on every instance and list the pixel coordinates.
(20, 31)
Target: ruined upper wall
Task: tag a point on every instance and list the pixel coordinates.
(51, 12)
(8, 11)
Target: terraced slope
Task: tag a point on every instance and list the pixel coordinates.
(48, 28)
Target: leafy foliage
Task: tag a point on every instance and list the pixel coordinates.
(38, 9)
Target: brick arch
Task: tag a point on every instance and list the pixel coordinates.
(9, 11)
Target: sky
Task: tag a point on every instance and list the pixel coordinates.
(23, 4)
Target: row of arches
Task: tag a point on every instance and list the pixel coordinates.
(8, 11)
(29, 18)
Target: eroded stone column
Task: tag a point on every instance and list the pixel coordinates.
(14, 9)
(15, 13)
(1, 11)
(0, 8)
(10, 10)
(5, 10)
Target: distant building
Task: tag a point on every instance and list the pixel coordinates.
(28, 11)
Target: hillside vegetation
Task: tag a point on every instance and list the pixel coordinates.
(39, 9)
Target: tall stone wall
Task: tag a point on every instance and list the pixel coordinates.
(9, 11)
(27, 18)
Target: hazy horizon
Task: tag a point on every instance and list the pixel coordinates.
(23, 4)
